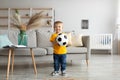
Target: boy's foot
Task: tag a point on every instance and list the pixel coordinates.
(55, 73)
(64, 73)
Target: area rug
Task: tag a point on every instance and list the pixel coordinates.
(63, 78)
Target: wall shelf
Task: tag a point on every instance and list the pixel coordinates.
(3, 8)
(26, 13)
(3, 25)
(3, 17)
(42, 8)
(20, 8)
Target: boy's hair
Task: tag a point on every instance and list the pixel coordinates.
(57, 22)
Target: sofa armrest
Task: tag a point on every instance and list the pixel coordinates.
(86, 43)
(85, 40)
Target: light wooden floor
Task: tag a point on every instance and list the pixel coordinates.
(101, 67)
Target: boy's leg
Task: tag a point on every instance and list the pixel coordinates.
(56, 62)
(63, 62)
(56, 65)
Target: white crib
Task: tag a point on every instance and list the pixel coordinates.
(101, 42)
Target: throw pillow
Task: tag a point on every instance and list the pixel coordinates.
(69, 38)
(43, 38)
(4, 40)
(77, 40)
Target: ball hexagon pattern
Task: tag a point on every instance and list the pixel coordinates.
(62, 39)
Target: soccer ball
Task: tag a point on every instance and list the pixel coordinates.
(62, 39)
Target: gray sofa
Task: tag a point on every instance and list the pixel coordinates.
(39, 39)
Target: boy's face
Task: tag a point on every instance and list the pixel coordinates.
(58, 27)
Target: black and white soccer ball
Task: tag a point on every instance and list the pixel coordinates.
(62, 39)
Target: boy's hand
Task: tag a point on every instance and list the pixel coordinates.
(55, 43)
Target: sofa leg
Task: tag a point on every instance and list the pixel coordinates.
(87, 62)
(71, 62)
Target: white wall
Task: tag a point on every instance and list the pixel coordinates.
(100, 13)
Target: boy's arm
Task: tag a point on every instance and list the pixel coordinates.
(53, 40)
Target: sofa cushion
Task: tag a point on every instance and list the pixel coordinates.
(70, 49)
(77, 40)
(3, 31)
(4, 51)
(73, 49)
(43, 38)
(69, 38)
(49, 50)
(4, 40)
(13, 35)
(24, 51)
(32, 42)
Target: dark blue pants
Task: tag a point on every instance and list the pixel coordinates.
(59, 61)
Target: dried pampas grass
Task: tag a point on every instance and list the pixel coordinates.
(34, 21)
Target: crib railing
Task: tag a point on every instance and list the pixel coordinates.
(101, 41)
